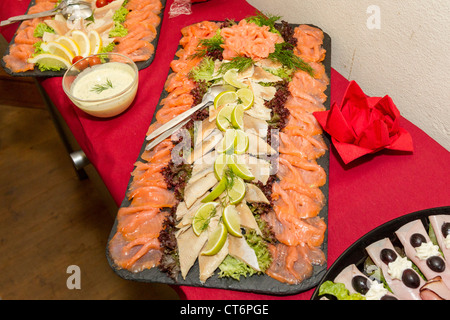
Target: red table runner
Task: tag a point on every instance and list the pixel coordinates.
(362, 195)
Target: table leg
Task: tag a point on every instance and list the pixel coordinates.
(77, 156)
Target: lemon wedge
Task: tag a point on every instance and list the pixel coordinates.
(69, 43)
(95, 41)
(50, 61)
(83, 42)
(57, 49)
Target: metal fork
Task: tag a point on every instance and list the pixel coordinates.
(171, 126)
(64, 4)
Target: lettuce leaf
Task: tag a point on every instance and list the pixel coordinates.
(234, 268)
(41, 28)
(339, 291)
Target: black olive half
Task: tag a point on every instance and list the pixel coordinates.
(410, 279)
(445, 229)
(416, 240)
(360, 284)
(388, 255)
(436, 264)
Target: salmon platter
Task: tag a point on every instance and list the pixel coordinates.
(235, 196)
(48, 46)
(407, 258)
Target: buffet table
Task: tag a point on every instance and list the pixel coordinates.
(362, 195)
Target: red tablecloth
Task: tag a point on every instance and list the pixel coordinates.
(362, 195)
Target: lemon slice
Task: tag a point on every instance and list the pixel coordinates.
(237, 117)
(237, 192)
(51, 61)
(223, 119)
(224, 98)
(246, 96)
(202, 217)
(232, 220)
(241, 142)
(82, 40)
(230, 77)
(220, 165)
(57, 49)
(227, 143)
(216, 240)
(217, 191)
(69, 43)
(239, 168)
(95, 41)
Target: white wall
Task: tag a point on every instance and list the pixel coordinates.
(407, 58)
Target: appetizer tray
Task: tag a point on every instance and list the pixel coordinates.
(356, 253)
(37, 73)
(261, 284)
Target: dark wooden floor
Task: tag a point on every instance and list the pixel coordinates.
(49, 219)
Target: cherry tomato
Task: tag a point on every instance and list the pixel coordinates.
(92, 61)
(101, 3)
(76, 59)
(81, 65)
(109, 1)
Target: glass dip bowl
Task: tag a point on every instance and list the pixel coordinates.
(105, 89)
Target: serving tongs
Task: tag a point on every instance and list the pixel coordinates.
(172, 126)
(70, 9)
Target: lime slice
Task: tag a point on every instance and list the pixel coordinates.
(220, 165)
(241, 142)
(202, 217)
(230, 77)
(224, 98)
(239, 168)
(216, 240)
(227, 143)
(57, 49)
(237, 191)
(232, 221)
(217, 191)
(50, 61)
(223, 119)
(237, 117)
(246, 96)
(82, 40)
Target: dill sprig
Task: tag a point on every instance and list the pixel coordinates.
(288, 59)
(261, 19)
(209, 45)
(238, 63)
(98, 88)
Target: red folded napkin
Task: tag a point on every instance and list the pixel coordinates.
(362, 125)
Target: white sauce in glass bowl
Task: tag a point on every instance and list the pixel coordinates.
(118, 74)
(114, 97)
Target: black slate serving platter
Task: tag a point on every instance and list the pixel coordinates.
(356, 253)
(262, 284)
(38, 73)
